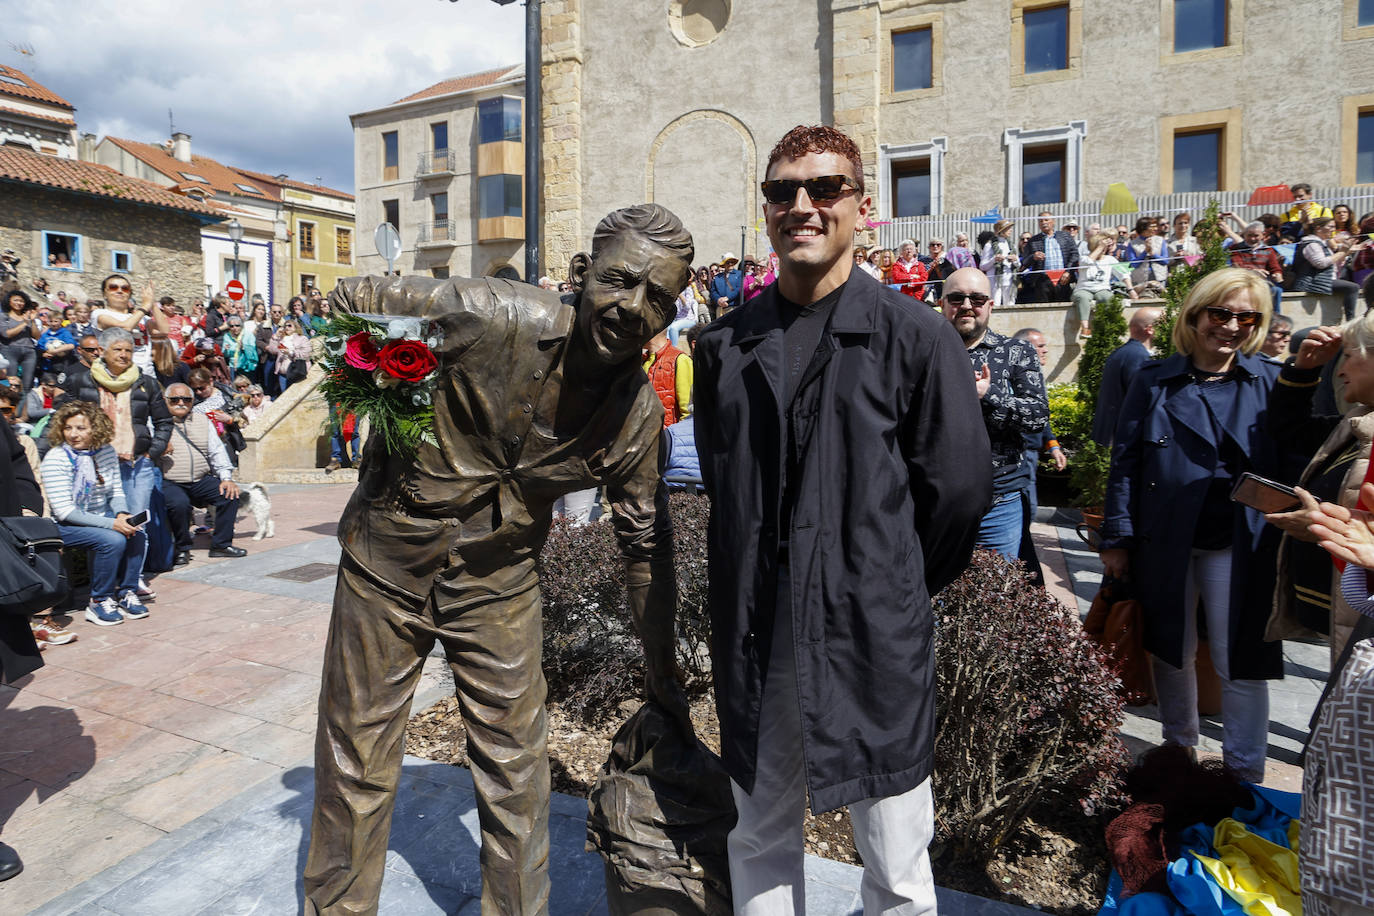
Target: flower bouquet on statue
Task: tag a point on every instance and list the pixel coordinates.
(384, 368)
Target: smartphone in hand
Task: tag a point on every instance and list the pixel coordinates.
(1263, 494)
(139, 520)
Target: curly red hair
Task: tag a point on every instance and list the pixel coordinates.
(818, 138)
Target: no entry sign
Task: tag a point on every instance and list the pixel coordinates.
(234, 290)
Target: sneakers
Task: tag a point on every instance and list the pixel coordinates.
(104, 613)
(145, 591)
(131, 606)
(45, 631)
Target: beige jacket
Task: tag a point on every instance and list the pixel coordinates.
(1356, 426)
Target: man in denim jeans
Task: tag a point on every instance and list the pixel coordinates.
(1012, 392)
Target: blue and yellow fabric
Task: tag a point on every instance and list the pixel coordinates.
(1245, 866)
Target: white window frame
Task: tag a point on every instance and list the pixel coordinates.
(934, 149)
(1017, 139)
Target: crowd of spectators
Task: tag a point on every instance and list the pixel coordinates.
(132, 412)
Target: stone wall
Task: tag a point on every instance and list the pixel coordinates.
(291, 436)
(561, 85)
(685, 120)
(164, 244)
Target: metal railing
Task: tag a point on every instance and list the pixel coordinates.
(945, 226)
(439, 230)
(437, 162)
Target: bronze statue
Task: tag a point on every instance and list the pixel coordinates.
(537, 398)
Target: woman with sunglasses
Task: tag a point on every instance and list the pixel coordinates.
(139, 320)
(1308, 601)
(1190, 426)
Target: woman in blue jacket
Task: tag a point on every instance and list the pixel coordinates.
(1190, 426)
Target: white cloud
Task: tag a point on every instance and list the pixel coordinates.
(266, 85)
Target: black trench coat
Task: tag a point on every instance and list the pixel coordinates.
(892, 485)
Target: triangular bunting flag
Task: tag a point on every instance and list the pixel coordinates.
(1122, 269)
(1054, 275)
(1270, 194)
(1286, 252)
(991, 216)
(1191, 259)
(1119, 200)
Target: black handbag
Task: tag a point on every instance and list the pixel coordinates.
(31, 573)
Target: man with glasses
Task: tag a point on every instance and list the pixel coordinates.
(1012, 391)
(87, 350)
(1253, 253)
(1275, 346)
(196, 472)
(840, 442)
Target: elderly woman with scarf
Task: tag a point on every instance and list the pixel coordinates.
(131, 400)
(82, 478)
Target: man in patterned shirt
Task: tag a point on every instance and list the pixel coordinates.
(1012, 391)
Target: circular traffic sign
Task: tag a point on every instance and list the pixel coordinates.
(234, 290)
(388, 241)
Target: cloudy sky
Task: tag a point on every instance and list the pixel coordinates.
(266, 85)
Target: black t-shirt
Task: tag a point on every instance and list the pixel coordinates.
(803, 326)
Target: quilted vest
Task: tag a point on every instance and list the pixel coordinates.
(663, 376)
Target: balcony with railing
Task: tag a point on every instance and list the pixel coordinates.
(439, 162)
(437, 232)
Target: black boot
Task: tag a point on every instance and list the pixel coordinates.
(9, 862)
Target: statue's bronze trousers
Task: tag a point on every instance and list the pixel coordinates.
(378, 640)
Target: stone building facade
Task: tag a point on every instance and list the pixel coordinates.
(689, 118)
(447, 176)
(111, 224)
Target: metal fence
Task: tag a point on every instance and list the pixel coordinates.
(921, 229)
(439, 230)
(437, 161)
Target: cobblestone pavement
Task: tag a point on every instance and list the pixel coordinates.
(164, 765)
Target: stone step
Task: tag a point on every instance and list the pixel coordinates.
(310, 475)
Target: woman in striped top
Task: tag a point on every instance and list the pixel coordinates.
(81, 476)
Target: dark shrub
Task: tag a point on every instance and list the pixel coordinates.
(593, 659)
(1028, 711)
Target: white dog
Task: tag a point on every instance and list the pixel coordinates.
(253, 497)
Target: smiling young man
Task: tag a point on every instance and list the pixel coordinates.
(843, 449)
(538, 396)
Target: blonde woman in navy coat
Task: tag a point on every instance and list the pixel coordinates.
(1190, 426)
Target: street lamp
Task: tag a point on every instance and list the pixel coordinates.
(533, 184)
(235, 231)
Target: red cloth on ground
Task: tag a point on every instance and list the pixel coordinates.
(1135, 843)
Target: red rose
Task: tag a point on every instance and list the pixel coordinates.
(361, 352)
(407, 360)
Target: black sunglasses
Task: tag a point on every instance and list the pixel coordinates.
(1220, 315)
(978, 299)
(90, 349)
(825, 187)
(178, 400)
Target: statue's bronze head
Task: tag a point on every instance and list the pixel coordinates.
(627, 288)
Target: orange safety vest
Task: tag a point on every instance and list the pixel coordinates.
(663, 376)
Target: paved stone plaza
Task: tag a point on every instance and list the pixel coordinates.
(163, 766)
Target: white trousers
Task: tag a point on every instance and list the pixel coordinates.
(1244, 704)
(766, 852)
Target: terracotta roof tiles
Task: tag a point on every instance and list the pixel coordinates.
(221, 178)
(271, 180)
(65, 122)
(90, 178)
(20, 85)
(461, 83)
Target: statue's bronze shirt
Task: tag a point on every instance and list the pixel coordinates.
(468, 516)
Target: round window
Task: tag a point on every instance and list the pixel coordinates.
(698, 22)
